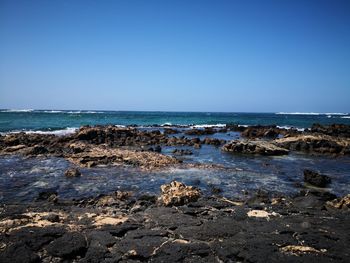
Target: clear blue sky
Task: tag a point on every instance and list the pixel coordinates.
(256, 56)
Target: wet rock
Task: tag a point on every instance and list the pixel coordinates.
(49, 195)
(342, 130)
(235, 127)
(72, 172)
(168, 131)
(214, 189)
(177, 193)
(69, 245)
(261, 132)
(182, 152)
(213, 141)
(341, 203)
(312, 200)
(35, 150)
(318, 144)
(205, 131)
(254, 147)
(197, 146)
(158, 149)
(316, 179)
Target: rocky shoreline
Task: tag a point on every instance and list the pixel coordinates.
(181, 224)
(91, 146)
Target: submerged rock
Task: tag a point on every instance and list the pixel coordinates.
(254, 147)
(72, 172)
(176, 193)
(213, 141)
(182, 152)
(316, 179)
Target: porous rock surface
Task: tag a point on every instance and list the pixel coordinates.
(177, 193)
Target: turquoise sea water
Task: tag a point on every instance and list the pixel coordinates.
(56, 120)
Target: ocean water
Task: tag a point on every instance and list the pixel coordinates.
(60, 121)
(21, 179)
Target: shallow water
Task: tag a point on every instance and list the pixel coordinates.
(21, 179)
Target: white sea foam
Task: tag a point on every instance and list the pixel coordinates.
(219, 125)
(345, 117)
(289, 127)
(311, 113)
(52, 111)
(17, 110)
(166, 124)
(62, 132)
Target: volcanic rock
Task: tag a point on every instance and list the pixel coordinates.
(254, 147)
(205, 131)
(316, 179)
(69, 245)
(72, 172)
(333, 130)
(320, 144)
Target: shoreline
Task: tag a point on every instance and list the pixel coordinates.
(182, 224)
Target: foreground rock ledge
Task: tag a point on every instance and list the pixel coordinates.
(120, 228)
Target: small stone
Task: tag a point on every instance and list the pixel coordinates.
(54, 218)
(177, 193)
(72, 172)
(316, 179)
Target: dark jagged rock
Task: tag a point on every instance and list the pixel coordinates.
(254, 147)
(213, 141)
(158, 149)
(207, 230)
(318, 144)
(235, 127)
(69, 245)
(169, 131)
(54, 218)
(205, 131)
(342, 130)
(49, 195)
(316, 179)
(72, 172)
(18, 253)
